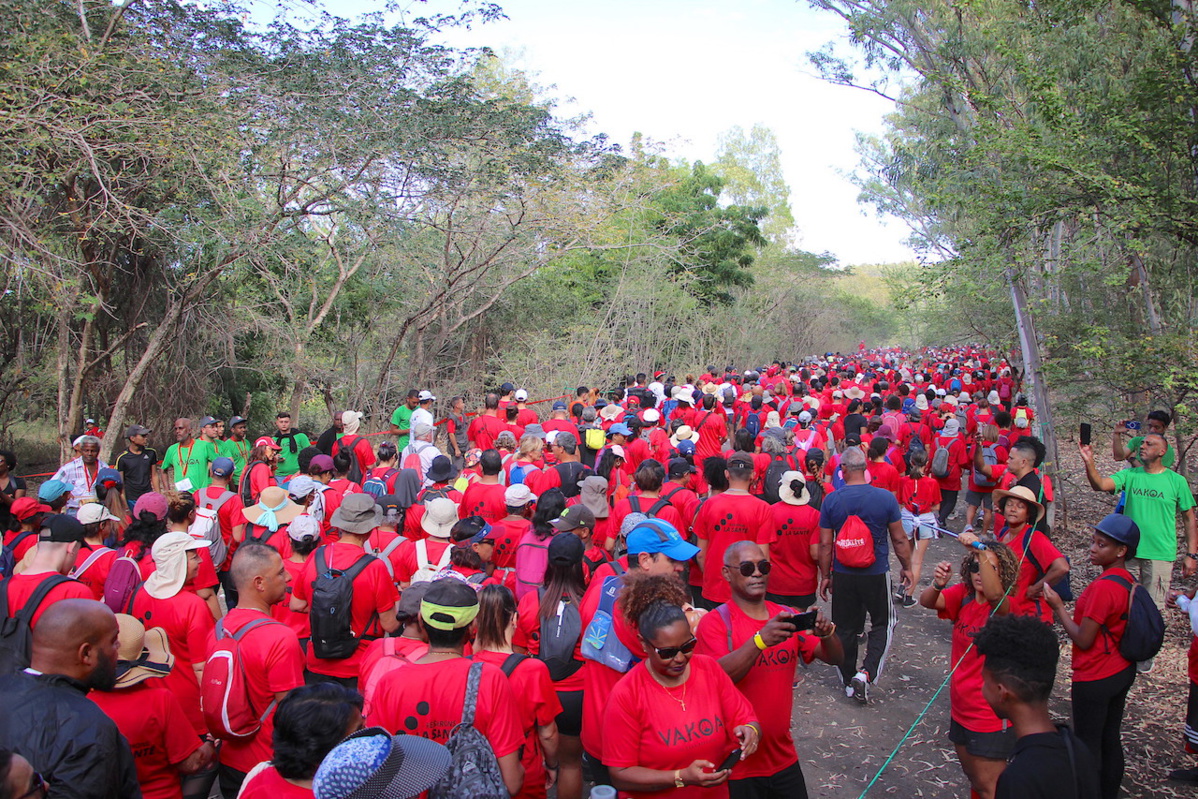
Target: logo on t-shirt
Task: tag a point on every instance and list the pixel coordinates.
(704, 728)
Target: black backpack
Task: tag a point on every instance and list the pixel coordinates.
(559, 637)
(16, 634)
(634, 503)
(245, 482)
(355, 468)
(8, 555)
(773, 479)
(1145, 631)
(571, 474)
(473, 768)
(331, 608)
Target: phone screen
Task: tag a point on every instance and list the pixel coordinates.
(1084, 435)
(730, 761)
(804, 621)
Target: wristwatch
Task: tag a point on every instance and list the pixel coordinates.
(678, 783)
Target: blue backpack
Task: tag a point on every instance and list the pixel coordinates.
(600, 642)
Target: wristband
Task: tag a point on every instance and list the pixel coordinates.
(831, 632)
(678, 783)
(939, 587)
(761, 644)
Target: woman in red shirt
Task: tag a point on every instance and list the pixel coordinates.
(1101, 676)
(983, 740)
(657, 715)
(1022, 512)
(919, 498)
(793, 554)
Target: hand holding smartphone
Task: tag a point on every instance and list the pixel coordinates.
(803, 621)
(1084, 434)
(731, 760)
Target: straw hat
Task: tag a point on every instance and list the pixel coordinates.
(790, 497)
(684, 433)
(141, 653)
(276, 500)
(1020, 492)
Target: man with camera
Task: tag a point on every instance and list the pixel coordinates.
(1157, 423)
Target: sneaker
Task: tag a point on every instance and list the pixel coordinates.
(908, 601)
(1189, 775)
(899, 596)
(1145, 666)
(859, 687)
(849, 691)
(968, 529)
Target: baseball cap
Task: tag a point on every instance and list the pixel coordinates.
(619, 428)
(266, 441)
(658, 535)
(686, 447)
(521, 395)
(321, 462)
(63, 529)
(566, 549)
(574, 517)
(94, 513)
(52, 490)
(426, 396)
(223, 467)
(236, 420)
(26, 507)
(559, 406)
(207, 420)
(681, 466)
(506, 387)
(372, 762)
(515, 496)
(136, 430)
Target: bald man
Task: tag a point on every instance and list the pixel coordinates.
(47, 716)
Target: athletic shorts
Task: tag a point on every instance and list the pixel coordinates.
(916, 527)
(992, 745)
(798, 602)
(1191, 729)
(569, 721)
(979, 498)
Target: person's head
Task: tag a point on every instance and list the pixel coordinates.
(283, 422)
(1157, 422)
(1008, 566)
(342, 462)
(1022, 457)
(988, 433)
(852, 461)
(77, 638)
(387, 452)
(413, 399)
(655, 546)
(650, 475)
(877, 448)
(8, 462)
(473, 542)
(237, 428)
(653, 605)
(338, 422)
(564, 444)
(258, 571)
(550, 505)
(305, 535)
(447, 613)
(1019, 662)
(744, 440)
(496, 617)
(491, 401)
(746, 556)
(917, 461)
(491, 462)
(321, 467)
(18, 780)
(715, 473)
(309, 722)
(209, 428)
(564, 575)
(89, 449)
(531, 448)
(180, 508)
(265, 452)
(739, 469)
(58, 541)
(1116, 539)
(1152, 449)
(182, 429)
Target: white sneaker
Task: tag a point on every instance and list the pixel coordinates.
(859, 687)
(848, 691)
(968, 529)
(1145, 666)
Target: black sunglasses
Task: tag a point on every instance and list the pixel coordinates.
(671, 652)
(37, 786)
(974, 567)
(748, 567)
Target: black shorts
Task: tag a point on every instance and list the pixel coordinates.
(569, 721)
(799, 602)
(1191, 729)
(993, 745)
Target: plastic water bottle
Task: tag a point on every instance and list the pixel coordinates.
(603, 792)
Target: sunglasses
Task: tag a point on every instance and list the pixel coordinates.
(974, 567)
(748, 568)
(37, 787)
(671, 652)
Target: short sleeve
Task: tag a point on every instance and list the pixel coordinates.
(1119, 478)
(301, 586)
(1044, 550)
(767, 532)
(527, 623)
(284, 662)
(954, 598)
(178, 736)
(1109, 600)
(808, 644)
(547, 705)
(1185, 499)
(503, 725)
(622, 729)
(385, 592)
(712, 635)
(737, 708)
(893, 511)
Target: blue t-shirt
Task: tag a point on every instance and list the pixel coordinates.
(876, 507)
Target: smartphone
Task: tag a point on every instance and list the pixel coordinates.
(1131, 424)
(730, 761)
(1084, 434)
(804, 621)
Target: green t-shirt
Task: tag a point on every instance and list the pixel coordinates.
(288, 460)
(1170, 458)
(239, 451)
(192, 462)
(1153, 502)
(402, 420)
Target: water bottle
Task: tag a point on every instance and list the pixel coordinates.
(603, 792)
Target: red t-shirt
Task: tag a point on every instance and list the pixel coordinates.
(374, 593)
(1045, 553)
(205, 577)
(712, 430)
(273, 663)
(261, 477)
(187, 622)
(645, 724)
(151, 719)
(228, 517)
(298, 622)
(528, 636)
(267, 784)
(968, 707)
(483, 429)
(407, 561)
(507, 537)
(97, 572)
(725, 519)
(536, 706)
(919, 496)
(1104, 601)
(22, 586)
(599, 680)
(958, 459)
(884, 475)
(623, 507)
(794, 570)
(483, 499)
(23, 547)
(409, 648)
(771, 676)
(426, 699)
(362, 450)
(686, 502)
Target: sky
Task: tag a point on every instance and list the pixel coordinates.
(681, 72)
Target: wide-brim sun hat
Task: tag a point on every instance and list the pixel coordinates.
(790, 497)
(1023, 493)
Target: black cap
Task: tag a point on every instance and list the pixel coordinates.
(61, 528)
(506, 387)
(566, 549)
(388, 502)
(681, 466)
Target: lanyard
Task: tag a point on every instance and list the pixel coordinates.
(92, 481)
(183, 460)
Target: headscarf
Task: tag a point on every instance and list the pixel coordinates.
(407, 486)
(170, 561)
(352, 420)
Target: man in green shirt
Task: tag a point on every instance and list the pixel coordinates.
(1157, 422)
(401, 420)
(236, 448)
(187, 462)
(292, 442)
(1154, 497)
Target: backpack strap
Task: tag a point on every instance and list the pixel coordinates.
(359, 566)
(25, 614)
(726, 615)
(511, 662)
(91, 559)
(1067, 737)
(1027, 551)
(473, 678)
(133, 597)
(618, 567)
(661, 502)
(634, 503)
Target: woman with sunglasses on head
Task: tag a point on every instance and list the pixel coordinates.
(675, 717)
(988, 577)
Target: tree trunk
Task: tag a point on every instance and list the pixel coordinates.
(300, 386)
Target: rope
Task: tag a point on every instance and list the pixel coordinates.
(445, 419)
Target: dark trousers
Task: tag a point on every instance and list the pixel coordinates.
(230, 780)
(786, 784)
(853, 596)
(226, 582)
(594, 771)
(1097, 721)
(312, 678)
(948, 502)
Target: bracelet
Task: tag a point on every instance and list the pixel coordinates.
(754, 727)
(678, 783)
(761, 644)
(939, 587)
(554, 767)
(831, 633)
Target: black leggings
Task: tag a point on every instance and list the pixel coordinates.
(948, 503)
(1097, 719)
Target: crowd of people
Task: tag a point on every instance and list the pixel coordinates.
(618, 590)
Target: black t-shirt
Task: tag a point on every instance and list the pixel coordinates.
(1040, 768)
(853, 424)
(7, 520)
(326, 440)
(136, 469)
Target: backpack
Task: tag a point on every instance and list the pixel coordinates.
(426, 571)
(571, 474)
(753, 424)
(1145, 631)
(939, 468)
(854, 545)
(91, 560)
(355, 468)
(473, 769)
(385, 553)
(121, 584)
(1062, 586)
(376, 486)
(389, 662)
(806, 443)
(224, 693)
(16, 634)
(430, 493)
(559, 636)
(519, 472)
(1021, 414)
(532, 557)
(915, 443)
(634, 504)
(8, 556)
(412, 460)
(206, 527)
(1004, 390)
(331, 609)
(245, 491)
(990, 458)
(594, 438)
(600, 642)
(773, 479)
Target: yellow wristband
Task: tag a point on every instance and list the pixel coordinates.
(761, 644)
(831, 632)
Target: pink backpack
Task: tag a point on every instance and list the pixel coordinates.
(532, 557)
(224, 695)
(412, 459)
(389, 662)
(121, 584)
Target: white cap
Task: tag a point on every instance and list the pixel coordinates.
(516, 495)
(521, 395)
(93, 513)
(425, 396)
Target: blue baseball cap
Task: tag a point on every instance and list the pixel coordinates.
(619, 429)
(53, 489)
(223, 467)
(686, 447)
(657, 535)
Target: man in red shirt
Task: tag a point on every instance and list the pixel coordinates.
(58, 544)
(484, 497)
(734, 515)
(483, 428)
(710, 428)
(374, 592)
(758, 646)
(270, 653)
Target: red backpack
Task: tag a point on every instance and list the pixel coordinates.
(389, 662)
(855, 544)
(224, 695)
